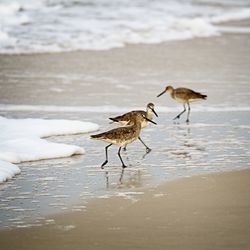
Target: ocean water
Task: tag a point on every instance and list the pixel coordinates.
(69, 25)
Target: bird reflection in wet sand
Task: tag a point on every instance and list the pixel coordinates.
(128, 119)
(187, 146)
(129, 180)
(184, 96)
(121, 136)
(107, 177)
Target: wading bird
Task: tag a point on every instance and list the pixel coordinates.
(121, 136)
(128, 119)
(184, 96)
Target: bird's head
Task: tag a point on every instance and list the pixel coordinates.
(151, 107)
(167, 89)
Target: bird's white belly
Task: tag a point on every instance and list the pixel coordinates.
(126, 142)
(195, 100)
(180, 100)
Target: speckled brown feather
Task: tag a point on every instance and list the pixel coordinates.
(129, 117)
(121, 135)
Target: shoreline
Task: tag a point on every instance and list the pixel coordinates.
(191, 213)
(201, 212)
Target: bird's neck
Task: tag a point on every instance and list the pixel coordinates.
(149, 114)
(171, 92)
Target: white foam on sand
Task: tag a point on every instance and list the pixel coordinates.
(7, 170)
(21, 140)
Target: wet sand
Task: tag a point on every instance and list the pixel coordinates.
(217, 66)
(202, 212)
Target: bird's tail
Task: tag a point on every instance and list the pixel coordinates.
(113, 119)
(204, 96)
(201, 96)
(98, 136)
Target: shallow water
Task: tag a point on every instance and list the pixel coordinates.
(212, 142)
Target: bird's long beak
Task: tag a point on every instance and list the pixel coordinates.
(150, 120)
(161, 93)
(154, 112)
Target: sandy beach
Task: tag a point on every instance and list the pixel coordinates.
(203, 212)
(156, 206)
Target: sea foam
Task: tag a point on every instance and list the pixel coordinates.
(8, 170)
(21, 140)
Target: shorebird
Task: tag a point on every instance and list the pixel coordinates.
(121, 136)
(184, 96)
(128, 119)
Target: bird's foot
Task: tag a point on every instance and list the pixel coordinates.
(124, 166)
(148, 150)
(104, 163)
(124, 149)
(187, 121)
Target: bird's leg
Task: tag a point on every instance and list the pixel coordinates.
(123, 165)
(187, 121)
(106, 153)
(178, 116)
(125, 148)
(147, 148)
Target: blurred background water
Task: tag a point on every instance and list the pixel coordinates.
(67, 25)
